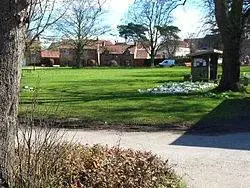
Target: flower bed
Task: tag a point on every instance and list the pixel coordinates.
(181, 88)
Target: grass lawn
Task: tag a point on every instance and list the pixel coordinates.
(110, 95)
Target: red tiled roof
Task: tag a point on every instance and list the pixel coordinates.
(140, 53)
(50, 54)
(116, 49)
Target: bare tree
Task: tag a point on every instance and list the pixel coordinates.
(81, 23)
(40, 16)
(149, 21)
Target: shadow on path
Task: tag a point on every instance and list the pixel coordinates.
(239, 141)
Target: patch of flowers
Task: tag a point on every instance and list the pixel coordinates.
(28, 88)
(181, 88)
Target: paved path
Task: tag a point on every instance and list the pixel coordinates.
(204, 161)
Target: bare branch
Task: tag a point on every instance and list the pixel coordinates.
(42, 14)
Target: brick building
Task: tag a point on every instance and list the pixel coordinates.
(208, 42)
(214, 42)
(90, 56)
(119, 54)
(175, 49)
(50, 58)
(104, 53)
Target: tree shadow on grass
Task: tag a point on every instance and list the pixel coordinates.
(227, 126)
(232, 115)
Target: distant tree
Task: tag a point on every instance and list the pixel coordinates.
(232, 23)
(40, 16)
(171, 40)
(149, 23)
(81, 23)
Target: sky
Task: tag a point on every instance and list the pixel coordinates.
(188, 18)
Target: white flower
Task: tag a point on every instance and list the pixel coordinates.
(182, 87)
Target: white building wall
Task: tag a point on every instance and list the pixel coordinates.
(182, 51)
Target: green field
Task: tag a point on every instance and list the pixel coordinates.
(111, 95)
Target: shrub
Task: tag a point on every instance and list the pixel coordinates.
(71, 165)
(91, 63)
(103, 167)
(113, 63)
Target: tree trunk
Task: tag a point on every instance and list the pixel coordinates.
(230, 23)
(79, 52)
(152, 57)
(78, 58)
(152, 61)
(230, 66)
(11, 53)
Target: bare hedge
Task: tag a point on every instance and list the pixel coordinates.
(82, 166)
